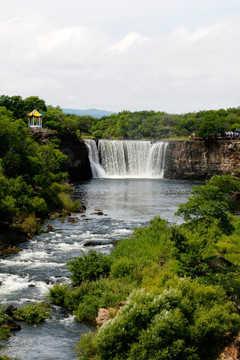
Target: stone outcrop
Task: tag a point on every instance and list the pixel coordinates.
(78, 165)
(185, 160)
(10, 310)
(109, 313)
(11, 325)
(231, 352)
(200, 160)
(105, 315)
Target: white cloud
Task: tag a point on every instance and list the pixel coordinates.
(81, 66)
(128, 41)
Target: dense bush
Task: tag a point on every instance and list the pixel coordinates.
(4, 333)
(31, 177)
(184, 321)
(89, 267)
(33, 313)
(85, 300)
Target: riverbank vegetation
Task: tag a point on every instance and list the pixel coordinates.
(33, 181)
(32, 313)
(181, 284)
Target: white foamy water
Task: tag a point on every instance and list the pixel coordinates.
(125, 159)
(68, 320)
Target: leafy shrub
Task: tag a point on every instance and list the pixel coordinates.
(68, 203)
(31, 225)
(210, 202)
(40, 206)
(86, 347)
(183, 321)
(33, 313)
(57, 294)
(103, 293)
(89, 267)
(4, 333)
(125, 267)
(86, 299)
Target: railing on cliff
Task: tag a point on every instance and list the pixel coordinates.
(215, 137)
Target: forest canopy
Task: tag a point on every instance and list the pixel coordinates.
(129, 125)
(32, 175)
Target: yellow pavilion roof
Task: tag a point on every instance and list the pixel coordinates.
(35, 113)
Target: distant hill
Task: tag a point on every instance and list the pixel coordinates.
(92, 112)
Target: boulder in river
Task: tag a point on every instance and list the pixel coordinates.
(10, 310)
(96, 243)
(11, 325)
(72, 219)
(10, 249)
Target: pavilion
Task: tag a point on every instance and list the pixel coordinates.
(35, 119)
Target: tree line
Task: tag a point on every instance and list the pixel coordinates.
(129, 125)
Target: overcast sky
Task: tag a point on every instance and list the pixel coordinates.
(170, 55)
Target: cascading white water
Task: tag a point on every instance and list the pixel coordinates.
(97, 169)
(127, 158)
(157, 159)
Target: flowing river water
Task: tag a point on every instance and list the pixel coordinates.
(27, 276)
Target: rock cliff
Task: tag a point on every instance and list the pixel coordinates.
(78, 165)
(199, 160)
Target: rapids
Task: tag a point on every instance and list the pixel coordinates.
(27, 276)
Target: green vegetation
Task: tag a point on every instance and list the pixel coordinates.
(146, 124)
(4, 333)
(33, 313)
(181, 283)
(129, 125)
(32, 176)
(89, 267)
(183, 321)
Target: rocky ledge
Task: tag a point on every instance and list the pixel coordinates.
(200, 160)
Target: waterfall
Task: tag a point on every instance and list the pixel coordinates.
(127, 158)
(97, 170)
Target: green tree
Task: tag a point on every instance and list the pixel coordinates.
(88, 267)
(34, 102)
(211, 201)
(14, 104)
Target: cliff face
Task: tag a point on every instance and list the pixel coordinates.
(199, 160)
(78, 165)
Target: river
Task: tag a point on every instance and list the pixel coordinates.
(27, 276)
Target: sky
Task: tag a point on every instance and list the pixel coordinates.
(176, 56)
